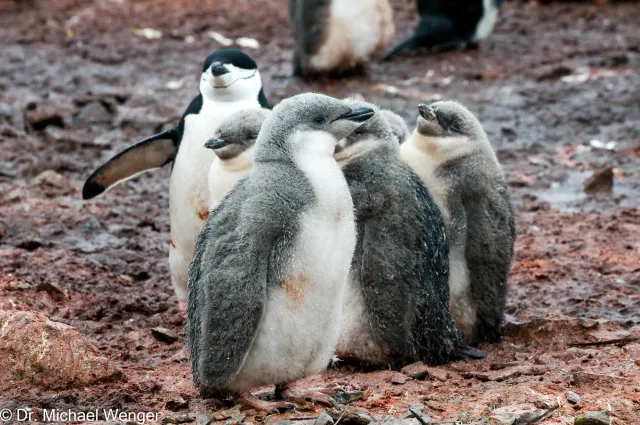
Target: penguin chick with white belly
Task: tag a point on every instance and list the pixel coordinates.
(230, 82)
(396, 307)
(451, 153)
(271, 264)
(338, 35)
(233, 144)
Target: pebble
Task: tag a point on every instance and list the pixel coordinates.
(164, 335)
(592, 418)
(398, 379)
(177, 403)
(572, 397)
(416, 370)
(323, 419)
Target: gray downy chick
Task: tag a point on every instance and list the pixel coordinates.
(398, 126)
(233, 144)
(335, 36)
(396, 307)
(267, 280)
(451, 153)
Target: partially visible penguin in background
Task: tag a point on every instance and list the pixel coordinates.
(334, 36)
(233, 144)
(451, 153)
(450, 24)
(396, 305)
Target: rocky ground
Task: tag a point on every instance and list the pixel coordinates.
(88, 319)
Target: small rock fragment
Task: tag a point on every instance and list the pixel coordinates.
(53, 184)
(600, 182)
(572, 397)
(164, 335)
(416, 370)
(185, 418)
(94, 113)
(351, 416)
(438, 374)
(398, 379)
(323, 419)
(592, 418)
(178, 403)
(52, 289)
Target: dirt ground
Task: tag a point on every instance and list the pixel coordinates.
(554, 85)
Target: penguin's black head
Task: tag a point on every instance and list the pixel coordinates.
(237, 133)
(231, 75)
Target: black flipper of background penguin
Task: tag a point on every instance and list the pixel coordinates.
(153, 152)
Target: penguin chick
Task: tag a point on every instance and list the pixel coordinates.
(268, 276)
(233, 145)
(230, 82)
(398, 126)
(451, 153)
(448, 25)
(396, 306)
(338, 35)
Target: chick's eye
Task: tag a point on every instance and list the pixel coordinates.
(318, 120)
(357, 132)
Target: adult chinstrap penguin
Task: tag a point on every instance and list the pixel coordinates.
(230, 82)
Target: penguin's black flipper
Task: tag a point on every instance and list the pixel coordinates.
(153, 152)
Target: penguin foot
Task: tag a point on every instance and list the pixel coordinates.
(253, 402)
(314, 395)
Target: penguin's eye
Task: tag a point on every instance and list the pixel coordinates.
(357, 132)
(319, 120)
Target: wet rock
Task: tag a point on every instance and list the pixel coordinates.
(49, 354)
(592, 418)
(94, 113)
(52, 289)
(438, 374)
(177, 403)
(572, 397)
(52, 184)
(600, 182)
(351, 416)
(164, 335)
(41, 113)
(185, 418)
(416, 370)
(398, 379)
(144, 120)
(324, 419)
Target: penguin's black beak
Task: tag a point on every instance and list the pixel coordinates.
(215, 144)
(358, 115)
(427, 112)
(218, 69)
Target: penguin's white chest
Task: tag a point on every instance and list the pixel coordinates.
(188, 187)
(355, 31)
(223, 175)
(300, 327)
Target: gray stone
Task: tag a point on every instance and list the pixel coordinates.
(592, 418)
(324, 419)
(94, 113)
(416, 370)
(572, 397)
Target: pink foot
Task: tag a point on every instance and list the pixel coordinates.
(249, 400)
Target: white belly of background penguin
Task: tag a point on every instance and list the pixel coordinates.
(336, 35)
(230, 81)
(268, 277)
(451, 153)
